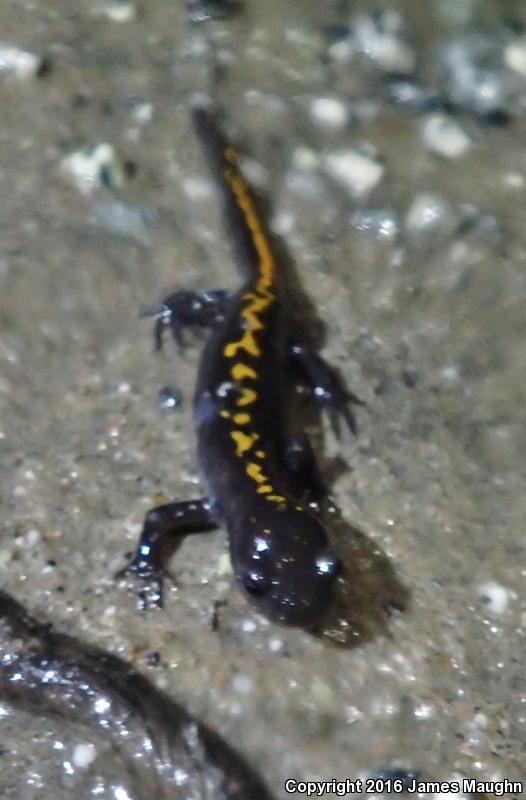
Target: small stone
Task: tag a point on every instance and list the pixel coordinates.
(32, 537)
(430, 215)
(282, 223)
(355, 171)
(119, 10)
(242, 684)
(197, 187)
(515, 55)
(203, 10)
(494, 597)
(304, 158)
(248, 626)
(379, 36)
(84, 754)
(444, 136)
(473, 74)
(383, 223)
(142, 112)
(413, 96)
(341, 52)
(328, 112)
(153, 658)
(20, 63)
(94, 167)
(169, 398)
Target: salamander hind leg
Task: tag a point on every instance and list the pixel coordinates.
(328, 387)
(160, 525)
(184, 309)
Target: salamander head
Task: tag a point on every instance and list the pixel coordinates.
(289, 574)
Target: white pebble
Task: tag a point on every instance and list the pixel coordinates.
(444, 136)
(494, 596)
(93, 167)
(329, 113)
(84, 754)
(342, 51)
(357, 172)
(430, 213)
(383, 44)
(120, 793)
(282, 223)
(20, 63)
(515, 55)
(254, 172)
(197, 188)
(304, 158)
(450, 374)
(119, 11)
(32, 537)
(480, 720)
(514, 180)
(241, 684)
(143, 113)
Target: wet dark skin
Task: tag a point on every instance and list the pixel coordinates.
(262, 485)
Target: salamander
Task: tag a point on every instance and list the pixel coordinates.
(262, 485)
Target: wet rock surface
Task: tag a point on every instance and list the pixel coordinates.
(419, 277)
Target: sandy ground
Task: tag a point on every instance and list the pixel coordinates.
(427, 327)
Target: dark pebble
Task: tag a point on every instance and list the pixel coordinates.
(169, 398)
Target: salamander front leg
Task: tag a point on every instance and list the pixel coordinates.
(328, 388)
(160, 525)
(184, 309)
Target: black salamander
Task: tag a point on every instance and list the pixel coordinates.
(160, 751)
(252, 470)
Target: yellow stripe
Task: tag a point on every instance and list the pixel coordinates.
(244, 201)
(254, 472)
(241, 371)
(248, 396)
(255, 304)
(243, 441)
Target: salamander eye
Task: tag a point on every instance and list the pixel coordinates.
(328, 563)
(255, 582)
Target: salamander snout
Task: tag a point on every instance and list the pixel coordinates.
(293, 588)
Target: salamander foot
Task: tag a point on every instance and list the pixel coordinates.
(150, 595)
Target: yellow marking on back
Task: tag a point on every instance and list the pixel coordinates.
(251, 323)
(254, 472)
(247, 343)
(252, 317)
(243, 441)
(248, 396)
(244, 201)
(225, 414)
(241, 371)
